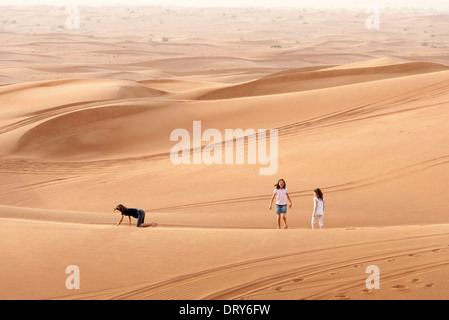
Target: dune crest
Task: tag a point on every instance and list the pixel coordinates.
(293, 81)
(57, 93)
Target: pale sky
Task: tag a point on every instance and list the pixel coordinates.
(348, 4)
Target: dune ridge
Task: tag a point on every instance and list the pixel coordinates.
(303, 80)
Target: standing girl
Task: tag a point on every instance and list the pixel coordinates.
(281, 194)
(318, 208)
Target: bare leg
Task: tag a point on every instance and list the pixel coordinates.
(279, 220)
(284, 217)
(320, 221)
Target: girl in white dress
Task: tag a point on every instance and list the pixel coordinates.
(318, 208)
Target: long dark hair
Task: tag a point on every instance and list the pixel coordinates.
(120, 208)
(319, 193)
(278, 186)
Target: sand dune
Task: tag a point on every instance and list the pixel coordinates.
(271, 265)
(295, 81)
(53, 93)
(85, 124)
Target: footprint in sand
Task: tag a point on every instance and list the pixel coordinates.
(436, 250)
(334, 273)
(279, 289)
(341, 297)
(400, 287)
(366, 291)
(416, 280)
(413, 255)
(298, 280)
(391, 260)
(358, 265)
(430, 285)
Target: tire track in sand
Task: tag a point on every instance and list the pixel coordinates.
(211, 280)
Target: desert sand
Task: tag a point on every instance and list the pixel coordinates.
(85, 123)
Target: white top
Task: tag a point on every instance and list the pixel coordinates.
(281, 196)
(320, 206)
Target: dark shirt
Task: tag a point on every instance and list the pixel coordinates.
(131, 212)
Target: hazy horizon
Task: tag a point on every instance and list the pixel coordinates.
(440, 5)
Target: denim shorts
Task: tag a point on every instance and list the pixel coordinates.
(281, 208)
(140, 217)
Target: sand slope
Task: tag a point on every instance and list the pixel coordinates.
(272, 264)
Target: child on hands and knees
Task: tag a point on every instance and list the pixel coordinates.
(139, 214)
(281, 194)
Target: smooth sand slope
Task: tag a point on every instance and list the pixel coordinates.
(222, 263)
(85, 124)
